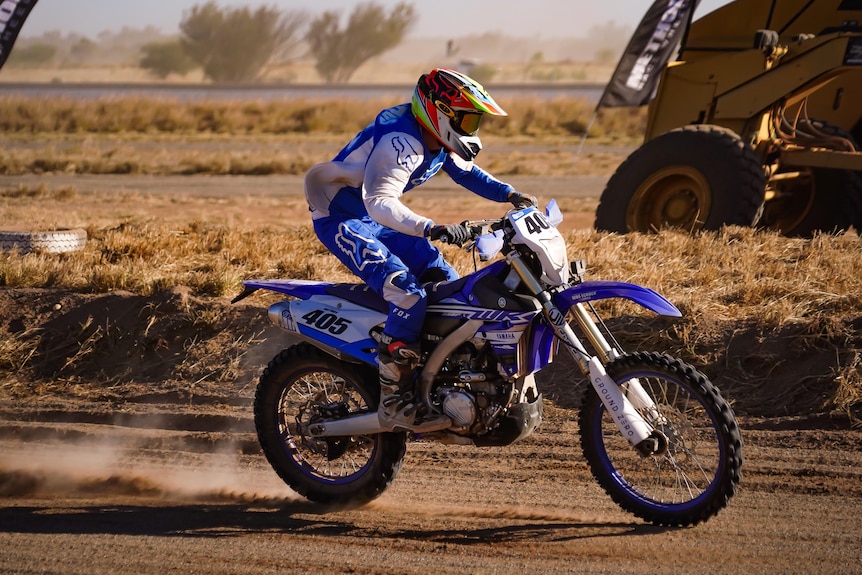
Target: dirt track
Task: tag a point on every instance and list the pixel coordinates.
(144, 478)
(178, 486)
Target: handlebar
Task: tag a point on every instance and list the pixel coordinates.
(475, 228)
(481, 227)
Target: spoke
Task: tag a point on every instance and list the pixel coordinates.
(670, 478)
(311, 398)
(681, 479)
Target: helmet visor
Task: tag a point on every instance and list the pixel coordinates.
(466, 123)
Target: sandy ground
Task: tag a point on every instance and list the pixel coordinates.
(167, 477)
(145, 487)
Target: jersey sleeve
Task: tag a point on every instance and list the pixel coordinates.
(475, 179)
(390, 166)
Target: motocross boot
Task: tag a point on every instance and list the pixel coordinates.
(399, 408)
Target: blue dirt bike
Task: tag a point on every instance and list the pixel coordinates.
(656, 433)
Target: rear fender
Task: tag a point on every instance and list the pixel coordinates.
(340, 327)
(596, 290)
(302, 289)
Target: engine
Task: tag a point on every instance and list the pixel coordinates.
(486, 408)
(461, 407)
(470, 391)
(473, 411)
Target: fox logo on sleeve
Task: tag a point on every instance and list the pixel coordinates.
(406, 155)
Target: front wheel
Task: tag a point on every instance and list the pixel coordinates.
(303, 385)
(697, 469)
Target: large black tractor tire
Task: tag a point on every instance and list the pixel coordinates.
(802, 202)
(698, 177)
(302, 385)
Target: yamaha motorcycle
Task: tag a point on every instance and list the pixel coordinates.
(656, 433)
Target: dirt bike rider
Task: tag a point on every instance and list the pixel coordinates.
(358, 215)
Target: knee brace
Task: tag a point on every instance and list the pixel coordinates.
(400, 290)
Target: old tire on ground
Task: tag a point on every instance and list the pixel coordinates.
(48, 241)
(804, 201)
(698, 177)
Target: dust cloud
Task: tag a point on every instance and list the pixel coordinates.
(118, 467)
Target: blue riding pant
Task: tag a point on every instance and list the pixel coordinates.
(390, 263)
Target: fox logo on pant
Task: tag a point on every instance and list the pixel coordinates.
(355, 246)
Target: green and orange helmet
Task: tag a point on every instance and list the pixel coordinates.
(450, 105)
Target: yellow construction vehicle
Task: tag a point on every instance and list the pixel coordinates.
(756, 124)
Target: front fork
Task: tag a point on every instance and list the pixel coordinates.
(627, 402)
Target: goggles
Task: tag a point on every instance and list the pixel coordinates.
(466, 123)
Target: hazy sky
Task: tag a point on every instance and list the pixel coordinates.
(436, 18)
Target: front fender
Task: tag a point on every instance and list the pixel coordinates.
(595, 290)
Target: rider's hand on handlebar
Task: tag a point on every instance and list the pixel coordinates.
(451, 233)
(520, 200)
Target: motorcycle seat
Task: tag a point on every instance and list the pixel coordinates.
(363, 295)
(488, 292)
(359, 294)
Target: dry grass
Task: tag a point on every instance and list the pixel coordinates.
(221, 155)
(146, 242)
(527, 117)
(771, 319)
(732, 275)
(162, 115)
(772, 297)
(74, 155)
(146, 257)
(737, 273)
(167, 137)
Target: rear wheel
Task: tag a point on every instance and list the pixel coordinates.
(697, 468)
(698, 177)
(303, 385)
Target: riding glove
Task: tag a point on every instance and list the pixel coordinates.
(451, 233)
(520, 200)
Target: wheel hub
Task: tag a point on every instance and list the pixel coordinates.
(673, 197)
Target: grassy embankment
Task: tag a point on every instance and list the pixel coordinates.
(787, 298)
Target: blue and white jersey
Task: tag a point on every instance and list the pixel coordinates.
(382, 162)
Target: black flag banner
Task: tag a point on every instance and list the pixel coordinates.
(12, 16)
(659, 32)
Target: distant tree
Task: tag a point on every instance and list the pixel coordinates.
(32, 55)
(83, 49)
(606, 56)
(482, 73)
(236, 45)
(165, 58)
(369, 32)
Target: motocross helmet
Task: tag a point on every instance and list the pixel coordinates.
(450, 105)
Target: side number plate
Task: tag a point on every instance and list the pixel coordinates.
(326, 321)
